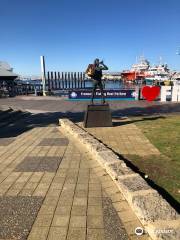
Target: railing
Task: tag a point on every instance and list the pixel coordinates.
(62, 82)
(25, 89)
(65, 80)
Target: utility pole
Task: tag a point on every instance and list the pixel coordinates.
(43, 74)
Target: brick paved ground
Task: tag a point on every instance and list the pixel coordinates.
(55, 190)
(74, 200)
(124, 138)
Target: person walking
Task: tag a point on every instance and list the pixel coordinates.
(95, 72)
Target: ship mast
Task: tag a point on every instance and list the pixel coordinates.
(160, 60)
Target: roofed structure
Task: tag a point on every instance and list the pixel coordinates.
(7, 77)
(6, 72)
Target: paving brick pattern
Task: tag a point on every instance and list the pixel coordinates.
(6, 141)
(124, 138)
(79, 197)
(39, 164)
(54, 142)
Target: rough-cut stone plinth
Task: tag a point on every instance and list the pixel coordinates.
(106, 157)
(152, 207)
(118, 169)
(97, 148)
(133, 184)
(83, 136)
(166, 230)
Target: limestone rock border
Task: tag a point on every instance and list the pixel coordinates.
(159, 219)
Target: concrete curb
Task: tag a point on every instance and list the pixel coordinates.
(159, 219)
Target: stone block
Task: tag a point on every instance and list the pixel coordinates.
(99, 147)
(76, 234)
(118, 169)
(57, 233)
(164, 230)
(96, 233)
(80, 201)
(152, 207)
(90, 142)
(95, 221)
(78, 222)
(43, 220)
(95, 210)
(63, 210)
(78, 210)
(95, 201)
(83, 136)
(60, 221)
(131, 183)
(106, 157)
(76, 131)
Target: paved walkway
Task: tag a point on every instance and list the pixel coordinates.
(124, 138)
(52, 189)
(61, 105)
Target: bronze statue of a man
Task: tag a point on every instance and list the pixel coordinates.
(95, 72)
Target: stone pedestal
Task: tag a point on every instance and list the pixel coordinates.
(98, 116)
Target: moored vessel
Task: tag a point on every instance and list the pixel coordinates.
(137, 71)
(143, 71)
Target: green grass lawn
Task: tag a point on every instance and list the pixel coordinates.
(164, 170)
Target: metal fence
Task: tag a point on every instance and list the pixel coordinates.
(25, 89)
(65, 80)
(60, 83)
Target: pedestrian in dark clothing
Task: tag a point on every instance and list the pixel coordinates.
(97, 78)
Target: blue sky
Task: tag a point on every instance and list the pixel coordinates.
(71, 33)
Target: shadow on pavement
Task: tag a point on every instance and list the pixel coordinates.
(125, 122)
(148, 110)
(15, 124)
(25, 122)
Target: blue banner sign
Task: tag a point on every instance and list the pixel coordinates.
(125, 94)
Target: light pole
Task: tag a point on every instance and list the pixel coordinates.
(43, 74)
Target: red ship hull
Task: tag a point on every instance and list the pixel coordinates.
(132, 76)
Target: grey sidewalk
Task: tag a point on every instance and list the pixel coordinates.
(58, 104)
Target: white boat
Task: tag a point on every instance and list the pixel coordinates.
(142, 65)
(176, 79)
(159, 71)
(143, 70)
(158, 74)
